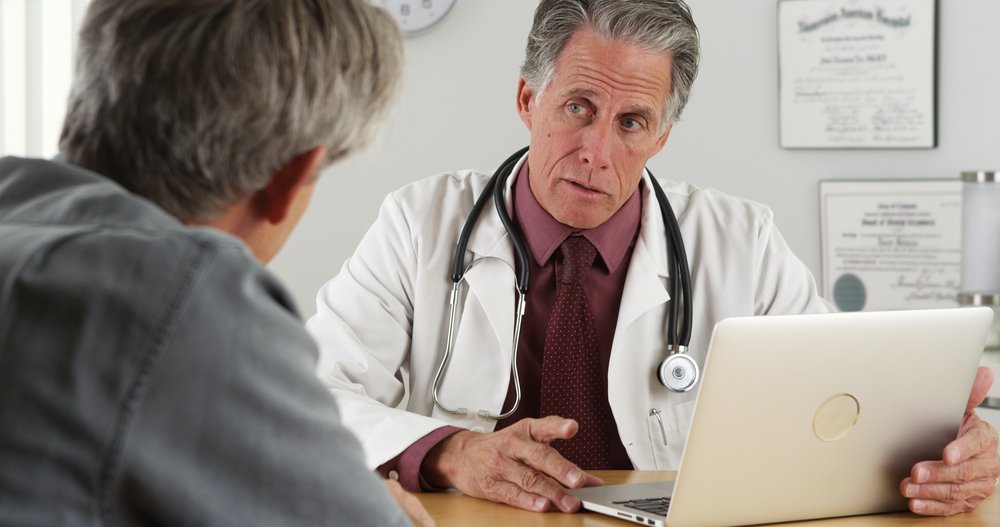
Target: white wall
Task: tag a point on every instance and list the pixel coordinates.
(37, 44)
(457, 111)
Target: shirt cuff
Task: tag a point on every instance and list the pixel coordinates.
(405, 467)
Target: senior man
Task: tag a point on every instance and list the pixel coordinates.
(602, 84)
(151, 370)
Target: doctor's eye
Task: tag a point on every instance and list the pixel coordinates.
(631, 124)
(579, 109)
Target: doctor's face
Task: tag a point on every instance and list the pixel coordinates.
(594, 126)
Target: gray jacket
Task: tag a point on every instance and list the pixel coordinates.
(152, 373)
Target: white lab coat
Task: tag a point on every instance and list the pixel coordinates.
(383, 318)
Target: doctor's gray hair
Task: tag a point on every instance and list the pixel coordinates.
(195, 104)
(659, 26)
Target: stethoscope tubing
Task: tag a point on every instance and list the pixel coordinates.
(494, 187)
(680, 274)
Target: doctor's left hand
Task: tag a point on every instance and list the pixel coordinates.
(969, 470)
(515, 465)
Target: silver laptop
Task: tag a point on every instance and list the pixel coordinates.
(813, 416)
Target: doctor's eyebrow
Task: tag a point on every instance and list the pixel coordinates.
(583, 93)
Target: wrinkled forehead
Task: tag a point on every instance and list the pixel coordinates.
(595, 67)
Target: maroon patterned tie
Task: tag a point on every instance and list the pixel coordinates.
(571, 367)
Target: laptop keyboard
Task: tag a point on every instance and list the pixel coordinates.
(648, 505)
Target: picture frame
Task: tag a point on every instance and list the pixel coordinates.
(857, 74)
(890, 244)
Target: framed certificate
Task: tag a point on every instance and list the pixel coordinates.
(891, 244)
(857, 73)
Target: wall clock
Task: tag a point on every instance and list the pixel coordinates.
(416, 16)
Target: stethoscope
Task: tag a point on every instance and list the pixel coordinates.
(678, 372)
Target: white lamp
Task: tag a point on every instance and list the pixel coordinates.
(981, 245)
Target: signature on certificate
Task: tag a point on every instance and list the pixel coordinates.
(923, 285)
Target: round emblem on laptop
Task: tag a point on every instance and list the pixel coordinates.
(836, 416)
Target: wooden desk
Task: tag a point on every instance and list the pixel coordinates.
(451, 509)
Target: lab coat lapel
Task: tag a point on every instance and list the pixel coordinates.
(645, 283)
(639, 333)
(491, 279)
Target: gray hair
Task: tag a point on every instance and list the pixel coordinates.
(658, 26)
(195, 104)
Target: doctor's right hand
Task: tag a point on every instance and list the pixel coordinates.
(515, 465)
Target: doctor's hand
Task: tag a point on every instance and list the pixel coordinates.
(969, 470)
(414, 510)
(515, 465)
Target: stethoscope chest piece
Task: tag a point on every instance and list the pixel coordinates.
(678, 372)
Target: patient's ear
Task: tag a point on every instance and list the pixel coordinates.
(275, 201)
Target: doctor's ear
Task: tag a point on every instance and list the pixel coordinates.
(525, 96)
(276, 200)
(663, 138)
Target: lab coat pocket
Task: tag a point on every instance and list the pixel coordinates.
(668, 427)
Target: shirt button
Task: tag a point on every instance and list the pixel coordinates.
(394, 475)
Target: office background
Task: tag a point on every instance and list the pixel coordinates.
(457, 111)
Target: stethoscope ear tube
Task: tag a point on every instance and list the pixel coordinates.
(453, 311)
(494, 188)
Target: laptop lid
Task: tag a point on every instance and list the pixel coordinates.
(813, 416)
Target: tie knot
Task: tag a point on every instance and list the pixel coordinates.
(578, 254)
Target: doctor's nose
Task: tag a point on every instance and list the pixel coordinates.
(595, 148)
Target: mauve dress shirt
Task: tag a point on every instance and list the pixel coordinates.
(604, 282)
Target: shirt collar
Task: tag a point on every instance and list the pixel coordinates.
(544, 234)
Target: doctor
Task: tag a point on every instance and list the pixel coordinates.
(602, 84)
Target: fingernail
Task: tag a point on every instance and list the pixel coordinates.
(567, 503)
(917, 505)
(923, 475)
(540, 504)
(574, 476)
(910, 491)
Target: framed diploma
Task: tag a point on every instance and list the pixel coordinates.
(891, 244)
(857, 73)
